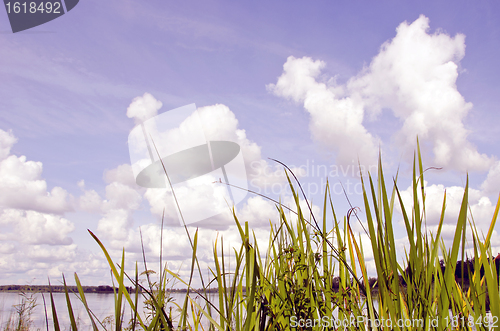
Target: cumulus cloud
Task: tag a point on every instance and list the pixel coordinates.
(143, 108)
(258, 212)
(121, 199)
(42, 253)
(480, 208)
(220, 123)
(336, 122)
(7, 140)
(121, 192)
(21, 185)
(90, 201)
(32, 227)
(115, 224)
(34, 263)
(121, 196)
(491, 184)
(122, 174)
(34, 235)
(120, 229)
(414, 75)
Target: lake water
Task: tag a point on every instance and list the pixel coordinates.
(102, 305)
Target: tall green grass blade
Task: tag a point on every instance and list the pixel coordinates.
(116, 275)
(84, 301)
(70, 309)
(54, 312)
(119, 297)
(136, 298)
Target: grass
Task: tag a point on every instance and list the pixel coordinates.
(290, 286)
(20, 320)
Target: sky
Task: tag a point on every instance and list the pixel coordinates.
(319, 86)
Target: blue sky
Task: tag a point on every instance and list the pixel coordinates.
(66, 85)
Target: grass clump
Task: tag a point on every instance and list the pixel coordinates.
(314, 277)
(20, 319)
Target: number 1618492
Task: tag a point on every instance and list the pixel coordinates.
(33, 7)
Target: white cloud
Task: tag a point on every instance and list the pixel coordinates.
(34, 263)
(7, 140)
(183, 130)
(258, 212)
(143, 108)
(121, 192)
(160, 201)
(90, 202)
(122, 174)
(115, 224)
(491, 184)
(7, 248)
(175, 244)
(336, 122)
(34, 236)
(42, 253)
(21, 185)
(415, 75)
(121, 199)
(120, 196)
(32, 227)
(220, 123)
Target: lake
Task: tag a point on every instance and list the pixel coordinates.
(101, 304)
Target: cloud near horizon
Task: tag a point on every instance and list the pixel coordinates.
(35, 237)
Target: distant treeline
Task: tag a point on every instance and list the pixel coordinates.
(86, 289)
(465, 269)
(59, 288)
(462, 271)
